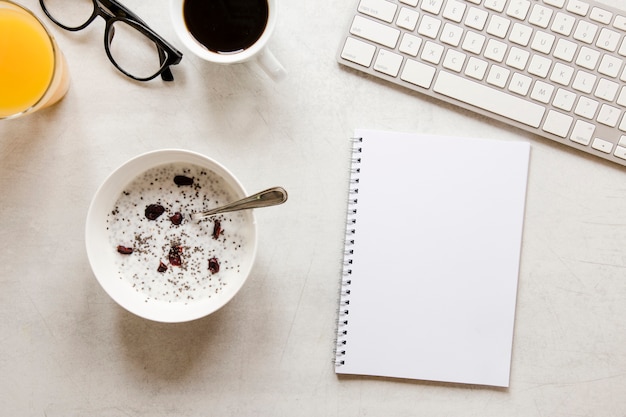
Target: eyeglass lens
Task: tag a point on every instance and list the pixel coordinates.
(129, 48)
(133, 52)
(70, 17)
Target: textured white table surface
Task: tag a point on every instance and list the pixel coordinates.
(66, 349)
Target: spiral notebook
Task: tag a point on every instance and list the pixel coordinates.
(432, 255)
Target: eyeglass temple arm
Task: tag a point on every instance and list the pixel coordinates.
(166, 75)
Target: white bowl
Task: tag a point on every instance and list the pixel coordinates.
(121, 284)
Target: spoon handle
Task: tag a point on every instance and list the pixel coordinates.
(269, 197)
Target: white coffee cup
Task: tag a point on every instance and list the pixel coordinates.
(258, 51)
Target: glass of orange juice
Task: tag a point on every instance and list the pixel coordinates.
(33, 70)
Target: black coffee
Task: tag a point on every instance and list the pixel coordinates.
(226, 26)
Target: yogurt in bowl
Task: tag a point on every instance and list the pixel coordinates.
(148, 254)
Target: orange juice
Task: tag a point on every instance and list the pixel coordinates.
(32, 69)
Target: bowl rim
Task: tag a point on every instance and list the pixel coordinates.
(159, 311)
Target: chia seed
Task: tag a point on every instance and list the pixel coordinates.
(188, 246)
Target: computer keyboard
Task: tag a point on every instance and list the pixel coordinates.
(552, 67)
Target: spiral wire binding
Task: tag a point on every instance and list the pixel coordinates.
(346, 280)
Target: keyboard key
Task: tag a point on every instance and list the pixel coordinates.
(609, 115)
(585, 32)
(520, 34)
(407, 19)
(495, 50)
(584, 82)
(601, 15)
(410, 44)
(602, 145)
(498, 76)
(432, 52)
(620, 152)
(388, 62)
(539, 66)
(473, 42)
(620, 22)
(432, 6)
(588, 58)
(621, 148)
(476, 68)
(380, 9)
(375, 32)
(490, 99)
(518, 58)
(476, 18)
(454, 11)
(498, 26)
(558, 123)
(583, 132)
(429, 27)
(563, 24)
(451, 34)
(564, 99)
(578, 7)
(540, 16)
(496, 5)
(520, 84)
(610, 66)
(454, 60)
(542, 92)
(608, 40)
(518, 9)
(358, 52)
(555, 3)
(418, 73)
(565, 50)
(621, 99)
(606, 89)
(562, 74)
(622, 125)
(542, 42)
(586, 107)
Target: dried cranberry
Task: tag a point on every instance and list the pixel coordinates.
(214, 265)
(174, 255)
(124, 250)
(153, 211)
(177, 218)
(183, 180)
(217, 229)
(162, 267)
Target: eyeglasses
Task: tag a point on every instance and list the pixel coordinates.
(135, 49)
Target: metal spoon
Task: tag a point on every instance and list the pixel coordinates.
(269, 197)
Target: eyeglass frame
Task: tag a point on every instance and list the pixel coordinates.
(112, 11)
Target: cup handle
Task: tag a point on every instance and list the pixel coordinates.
(270, 65)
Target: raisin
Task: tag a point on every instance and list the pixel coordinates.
(183, 180)
(217, 229)
(124, 250)
(214, 265)
(177, 218)
(153, 211)
(162, 267)
(174, 255)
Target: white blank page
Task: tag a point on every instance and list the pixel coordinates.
(436, 258)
